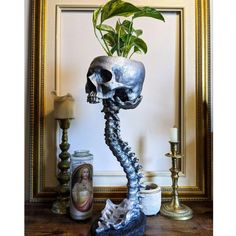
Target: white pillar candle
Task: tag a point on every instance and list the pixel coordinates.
(64, 107)
(174, 134)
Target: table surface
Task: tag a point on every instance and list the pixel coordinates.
(39, 220)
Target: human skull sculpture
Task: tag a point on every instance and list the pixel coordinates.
(116, 78)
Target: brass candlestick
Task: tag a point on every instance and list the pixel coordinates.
(63, 191)
(174, 209)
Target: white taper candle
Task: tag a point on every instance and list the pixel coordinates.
(174, 134)
(64, 107)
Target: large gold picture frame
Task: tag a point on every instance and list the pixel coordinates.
(35, 102)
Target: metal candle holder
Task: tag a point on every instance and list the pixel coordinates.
(63, 191)
(174, 209)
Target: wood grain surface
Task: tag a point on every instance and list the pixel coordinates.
(39, 221)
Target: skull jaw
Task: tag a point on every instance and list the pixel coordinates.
(128, 104)
(96, 97)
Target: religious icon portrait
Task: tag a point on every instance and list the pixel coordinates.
(82, 187)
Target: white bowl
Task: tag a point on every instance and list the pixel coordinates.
(150, 198)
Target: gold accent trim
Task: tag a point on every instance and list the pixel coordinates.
(35, 96)
(182, 212)
(203, 80)
(202, 190)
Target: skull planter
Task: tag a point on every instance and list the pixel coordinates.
(117, 82)
(115, 78)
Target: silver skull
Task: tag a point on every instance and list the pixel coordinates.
(116, 78)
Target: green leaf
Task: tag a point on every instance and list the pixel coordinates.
(136, 50)
(127, 49)
(121, 44)
(124, 37)
(110, 38)
(128, 46)
(139, 43)
(117, 26)
(106, 28)
(95, 16)
(117, 8)
(114, 48)
(149, 12)
(138, 32)
(120, 29)
(127, 24)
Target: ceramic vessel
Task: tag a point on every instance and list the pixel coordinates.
(150, 198)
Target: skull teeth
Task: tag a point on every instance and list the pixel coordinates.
(92, 98)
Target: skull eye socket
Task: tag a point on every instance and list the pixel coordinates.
(90, 72)
(106, 75)
(90, 87)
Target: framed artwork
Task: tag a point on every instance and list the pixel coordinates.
(177, 91)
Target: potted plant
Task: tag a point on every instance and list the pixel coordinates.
(117, 80)
(122, 39)
(120, 42)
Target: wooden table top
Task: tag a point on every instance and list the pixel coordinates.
(39, 220)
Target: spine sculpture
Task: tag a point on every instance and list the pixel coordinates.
(118, 82)
(122, 152)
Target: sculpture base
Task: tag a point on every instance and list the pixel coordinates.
(182, 212)
(134, 228)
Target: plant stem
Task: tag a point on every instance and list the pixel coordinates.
(107, 51)
(131, 54)
(130, 34)
(107, 48)
(118, 42)
(127, 42)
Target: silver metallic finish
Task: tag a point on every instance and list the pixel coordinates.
(115, 215)
(115, 77)
(118, 82)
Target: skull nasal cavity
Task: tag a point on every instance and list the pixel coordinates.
(106, 75)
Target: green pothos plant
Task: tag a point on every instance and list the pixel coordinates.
(122, 39)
